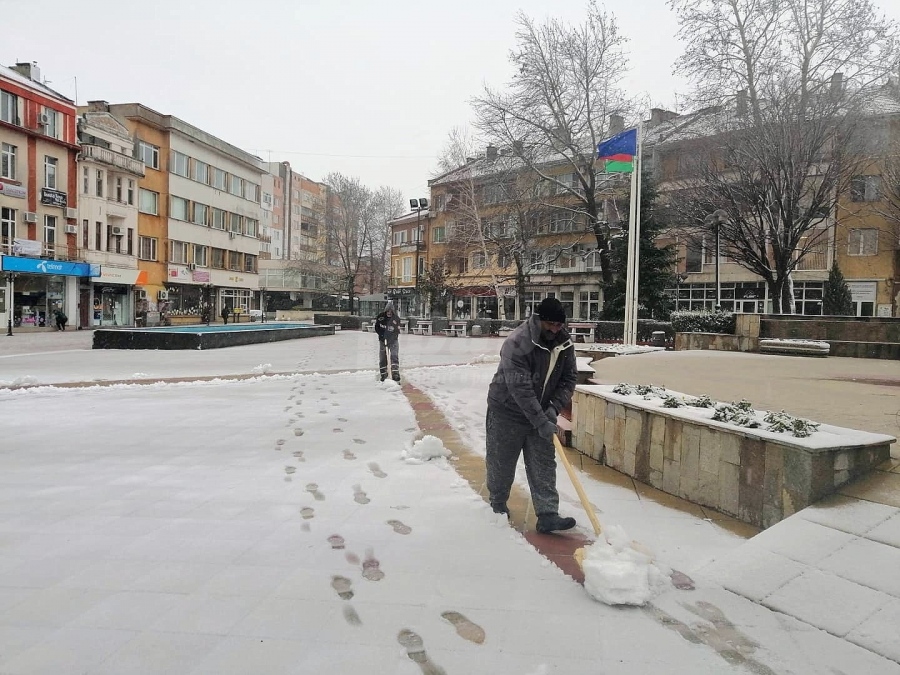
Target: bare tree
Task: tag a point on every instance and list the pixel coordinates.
(387, 204)
(350, 221)
(777, 159)
(557, 108)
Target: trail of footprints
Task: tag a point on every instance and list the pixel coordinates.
(370, 566)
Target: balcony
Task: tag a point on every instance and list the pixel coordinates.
(111, 158)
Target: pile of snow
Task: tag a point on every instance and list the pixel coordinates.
(486, 358)
(390, 385)
(262, 369)
(424, 449)
(616, 573)
(138, 376)
(24, 381)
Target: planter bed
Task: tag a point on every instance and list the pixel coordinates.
(797, 347)
(753, 474)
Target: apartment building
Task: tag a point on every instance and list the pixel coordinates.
(38, 199)
(107, 229)
(200, 207)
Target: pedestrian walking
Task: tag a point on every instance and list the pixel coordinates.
(533, 383)
(387, 326)
(61, 319)
(226, 310)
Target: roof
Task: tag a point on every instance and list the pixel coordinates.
(18, 78)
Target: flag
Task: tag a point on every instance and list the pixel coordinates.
(618, 152)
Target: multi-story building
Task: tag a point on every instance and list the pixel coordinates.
(107, 230)
(200, 207)
(38, 199)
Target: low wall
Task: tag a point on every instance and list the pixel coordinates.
(868, 337)
(756, 476)
(161, 338)
(717, 341)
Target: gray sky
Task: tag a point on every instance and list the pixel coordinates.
(366, 87)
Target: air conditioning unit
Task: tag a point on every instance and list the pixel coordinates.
(44, 119)
(141, 294)
(192, 266)
(30, 217)
(162, 295)
(118, 231)
(231, 235)
(71, 229)
(71, 213)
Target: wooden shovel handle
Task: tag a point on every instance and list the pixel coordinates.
(577, 483)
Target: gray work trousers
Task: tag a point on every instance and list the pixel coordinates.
(394, 348)
(506, 438)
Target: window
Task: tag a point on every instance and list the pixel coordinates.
(201, 214)
(863, 242)
(218, 179)
(129, 239)
(592, 261)
(252, 227)
(85, 180)
(234, 261)
(218, 218)
(149, 204)
(98, 236)
(865, 188)
(478, 261)
(536, 261)
(200, 258)
(561, 221)
(236, 186)
(148, 154)
(201, 172)
(589, 305)
(249, 263)
(693, 259)
(85, 234)
(503, 260)
(131, 192)
(98, 183)
(178, 209)
(218, 258)
(438, 235)
(178, 252)
(9, 107)
(180, 164)
(399, 238)
(251, 191)
(147, 248)
(407, 269)
(8, 161)
(50, 231)
(119, 189)
(236, 223)
(50, 172)
(51, 128)
(7, 226)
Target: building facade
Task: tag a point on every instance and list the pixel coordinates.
(38, 200)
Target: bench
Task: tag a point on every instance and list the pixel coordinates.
(368, 328)
(585, 331)
(454, 332)
(421, 328)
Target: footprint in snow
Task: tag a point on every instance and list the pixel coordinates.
(335, 404)
(298, 432)
(359, 441)
(336, 541)
(351, 616)
(352, 558)
(341, 419)
(399, 527)
(349, 455)
(466, 629)
(376, 470)
(343, 586)
(307, 512)
(280, 441)
(323, 412)
(291, 397)
(371, 568)
(313, 489)
(337, 430)
(299, 455)
(415, 650)
(290, 469)
(409, 430)
(359, 496)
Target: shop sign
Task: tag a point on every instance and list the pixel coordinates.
(201, 277)
(58, 267)
(236, 279)
(17, 191)
(862, 291)
(53, 197)
(26, 247)
(397, 292)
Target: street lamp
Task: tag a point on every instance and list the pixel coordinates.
(262, 305)
(717, 218)
(9, 303)
(208, 302)
(418, 205)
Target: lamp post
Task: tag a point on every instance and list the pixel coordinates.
(717, 218)
(10, 303)
(418, 205)
(262, 305)
(208, 302)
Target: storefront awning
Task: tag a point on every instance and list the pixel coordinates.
(474, 291)
(115, 275)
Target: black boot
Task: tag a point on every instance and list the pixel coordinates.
(500, 508)
(552, 522)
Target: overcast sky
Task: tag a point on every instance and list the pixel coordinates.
(365, 87)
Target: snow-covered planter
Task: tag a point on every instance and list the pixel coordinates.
(792, 346)
(758, 466)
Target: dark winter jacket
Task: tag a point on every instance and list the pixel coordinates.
(387, 327)
(522, 387)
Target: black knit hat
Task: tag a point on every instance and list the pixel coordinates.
(551, 309)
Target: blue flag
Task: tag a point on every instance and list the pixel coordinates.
(620, 144)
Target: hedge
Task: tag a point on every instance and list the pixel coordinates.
(703, 321)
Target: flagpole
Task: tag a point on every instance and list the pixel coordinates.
(632, 276)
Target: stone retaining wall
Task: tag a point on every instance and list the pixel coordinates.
(717, 341)
(755, 479)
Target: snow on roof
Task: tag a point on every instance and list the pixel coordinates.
(18, 78)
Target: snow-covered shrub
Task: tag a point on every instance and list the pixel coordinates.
(703, 321)
(670, 401)
(782, 422)
(740, 413)
(701, 402)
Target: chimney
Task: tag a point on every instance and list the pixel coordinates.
(741, 103)
(29, 70)
(837, 84)
(98, 106)
(659, 115)
(491, 152)
(616, 124)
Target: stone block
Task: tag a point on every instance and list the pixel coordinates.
(729, 448)
(657, 440)
(708, 489)
(729, 489)
(672, 442)
(671, 476)
(773, 481)
(633, 426)
(656, 478)
(628, 462)
(753, 462)
(842, 461)
(750, 507)
(710, 450)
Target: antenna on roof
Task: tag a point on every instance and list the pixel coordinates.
(76, 92)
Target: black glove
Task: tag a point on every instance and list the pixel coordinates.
(551, 413)
(547, 430)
